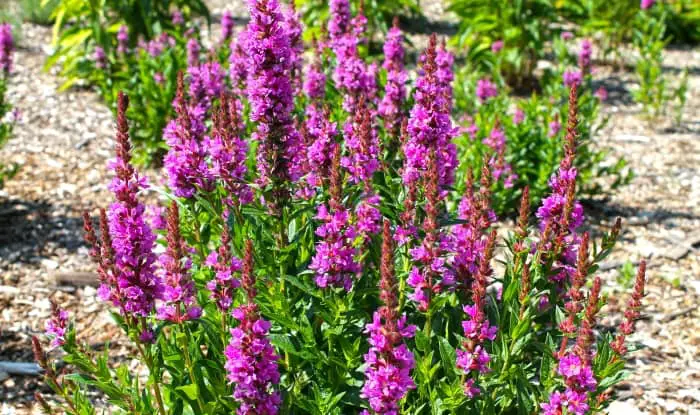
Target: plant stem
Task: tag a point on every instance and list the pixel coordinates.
(156, 388)
(190, 368)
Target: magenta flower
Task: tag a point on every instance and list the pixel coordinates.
(445, 60)
(429, 125)
(601, 93)
(193, 50)
(122, 39)
(269, 87)
(339, 23)
(99, 57)
(186, 162)
(584, 56)
(251, 361)
(179, 300)
(57, 326)
(320, 138)
(136, 285)
(334, 262)
(226, 26)
(206, 84)
(292, 25)
(646, 4)
(229, 152)
(238, 63)
(497, 46)
(7, 46)
(362, 145)
(389, 362)
(390, 107)
(315, 81)
(225, 266)
(485, 89)
(554, 128)
(177, 18)
(572, 78)
(567, 35)
(518, 116)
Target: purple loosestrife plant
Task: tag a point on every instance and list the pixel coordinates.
(222, 287)
(227, 24)
(334, 262)
(179, 302)
(251, 362)
(390, 107)
(429, 125)
(7, 46)
(389, 361)
(228, 151)
(57, 326)
(137, 285)
(186, 162)
(238, 63)
(269, 85)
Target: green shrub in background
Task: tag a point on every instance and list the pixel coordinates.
(524, 27)
(81, 26)
(379, 13)
(532, 128)
(654, 92)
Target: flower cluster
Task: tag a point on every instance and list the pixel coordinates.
(186, 162)
(429, 125)
(389, 362)
(7, 45)
(334, 262)
(390, 107)
(180, 303)
(485, 89)
(473, 357)
(251, 361)
(57, 326)
(269, 86)
(225, 265)
(579, 380)
(134, 286)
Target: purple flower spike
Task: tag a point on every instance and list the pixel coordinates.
(251, 361)
(390, 107)
(226, 26)
(186, 161)
(137, 286)
(429, 124)
(122, 39)
(389, 362)
(269, 49)
(7, 46)
(57, 326)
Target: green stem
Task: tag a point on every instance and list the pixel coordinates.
(190, 367)
(156, 389)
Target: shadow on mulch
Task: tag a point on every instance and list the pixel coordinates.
(27, 226)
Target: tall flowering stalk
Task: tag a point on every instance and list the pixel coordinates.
(390, 107)
(351, 74)
(7, 46)
(228, 151)
(57, 326)
(469, 240)
(632, 312)
(429, 125)
(186, 162)
(238, 63)
(223, 286)
(334, 261)
(294, 29)
(389, 362)
(431, 274)
(575, 366)
(180, 302)
(362, 145)
(251, 361)
(270, 94)
(473, 358)
(137, 286)
(320, 136)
